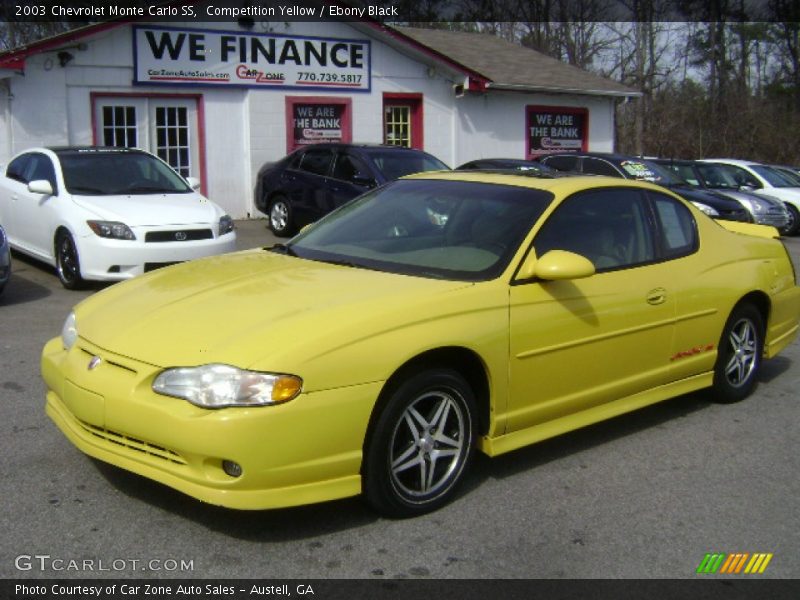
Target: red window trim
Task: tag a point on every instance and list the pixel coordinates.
(347, 116)
(413, 100)
(569, 110)
(95, 97)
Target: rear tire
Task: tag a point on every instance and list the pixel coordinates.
(739, 355)
(421, 444)
(68, 264)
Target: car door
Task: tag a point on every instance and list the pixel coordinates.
(37, 214)
(575, 345)
(351, 177)
(307, 184)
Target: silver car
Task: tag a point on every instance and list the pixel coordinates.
(765, 209)
(5, 259)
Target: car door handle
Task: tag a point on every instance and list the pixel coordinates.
(657, 296)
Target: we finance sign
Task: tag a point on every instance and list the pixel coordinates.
(169, 56)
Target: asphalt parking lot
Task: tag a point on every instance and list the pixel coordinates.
(645, 495)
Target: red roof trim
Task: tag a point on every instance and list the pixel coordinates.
(15, 59)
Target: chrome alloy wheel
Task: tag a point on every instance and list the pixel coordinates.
(427, 445)
(743, 343)
(279, 215)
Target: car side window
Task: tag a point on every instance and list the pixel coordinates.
(41, 167)
(317, 161)
(596, 166)
(677, 227)
(562, 163)
(347, 167)
(17, 168)
(610, 227)
(742, 177)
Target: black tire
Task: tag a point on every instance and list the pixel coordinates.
(68, 264)
(421, 444)
(739, 355)
(280, 217)
(794, 220)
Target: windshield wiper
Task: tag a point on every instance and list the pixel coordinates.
(281, 249)
(151, 189)
(89, 190)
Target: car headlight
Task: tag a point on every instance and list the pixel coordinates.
(69, 332)
(225, 224)
(111, 229)
(218, 386)
(706, 209)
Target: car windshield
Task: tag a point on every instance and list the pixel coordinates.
(650, 171)
(105, 173)
(684, 171)
(718, 176)
(395, 164)
(774, 177)
(454, 230)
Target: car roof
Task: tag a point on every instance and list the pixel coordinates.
(365, 146)
(93, 150)
(732, 161)
(606, 155)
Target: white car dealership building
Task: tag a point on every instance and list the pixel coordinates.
(217, 100)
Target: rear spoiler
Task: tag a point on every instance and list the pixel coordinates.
(764, 231)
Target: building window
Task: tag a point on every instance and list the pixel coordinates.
(172, 138)
(119, 126)
(397, 125)
(402, 120)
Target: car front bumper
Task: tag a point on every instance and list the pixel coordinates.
(304, 451)
(103, 259)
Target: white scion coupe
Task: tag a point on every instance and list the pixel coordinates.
(107, 214)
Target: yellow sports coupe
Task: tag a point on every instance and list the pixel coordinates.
(440, 314)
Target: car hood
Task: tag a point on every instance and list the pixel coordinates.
(742, 196)
(707, 197)
(152, 209)
(254, 308)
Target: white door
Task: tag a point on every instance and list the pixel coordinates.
(167, 127)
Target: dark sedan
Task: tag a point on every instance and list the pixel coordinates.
(632, 167)
(312, 181)
(504, 164)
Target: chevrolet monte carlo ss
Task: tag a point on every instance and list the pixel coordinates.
(440, 314)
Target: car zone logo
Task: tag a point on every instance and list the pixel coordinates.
(734, 564)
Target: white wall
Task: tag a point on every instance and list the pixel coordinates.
(245, 128)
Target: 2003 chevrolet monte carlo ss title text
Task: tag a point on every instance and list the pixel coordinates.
(436, 315)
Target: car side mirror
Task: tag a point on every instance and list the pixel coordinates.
(556, 265)
(193, 182)
(746, 188)
(363, 180)
(40, 186)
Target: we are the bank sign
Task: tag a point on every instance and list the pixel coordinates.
(169, 56)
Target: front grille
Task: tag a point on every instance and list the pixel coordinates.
(120, 439)
(181, 235)
(153, 266)
(736, 215)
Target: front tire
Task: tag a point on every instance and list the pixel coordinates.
(68, 265)
(739, 355)
(280, 217)
(421, 445)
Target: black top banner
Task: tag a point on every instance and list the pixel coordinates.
(248, 12)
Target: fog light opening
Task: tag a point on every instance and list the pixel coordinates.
(231, 468)
(114, 269)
